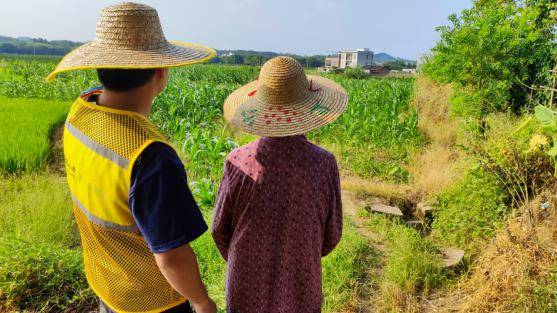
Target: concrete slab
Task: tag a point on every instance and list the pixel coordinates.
(386, 209)
(451, 257)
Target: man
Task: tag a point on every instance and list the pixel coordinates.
(278, 210)
(135, 213)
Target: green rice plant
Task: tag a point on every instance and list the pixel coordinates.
(25, 129)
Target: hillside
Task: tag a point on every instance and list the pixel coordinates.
(37, 46)
(40, 46)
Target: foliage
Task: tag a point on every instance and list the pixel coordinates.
(256, 58)
(345, 269)
(25, 128)
(42, 277)
(546, 118)
(355, 73)
(493, 51)
(35, 46)
(412, 266)
(378, 130)
(399, 65)
(470, 210)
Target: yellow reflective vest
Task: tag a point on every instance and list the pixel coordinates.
(100, 148)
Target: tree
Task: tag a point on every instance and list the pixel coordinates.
(493, 51)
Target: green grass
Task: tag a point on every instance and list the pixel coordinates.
(345, 271)
(412, 267)
(470, 211)
(25, 128)
(40, 267)
(37, 208)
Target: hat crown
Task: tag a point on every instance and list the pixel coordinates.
(282, 81)
(130, 26)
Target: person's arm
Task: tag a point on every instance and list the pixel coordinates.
(169, 219)
(179, 267)
(222, 215)
(333, 226)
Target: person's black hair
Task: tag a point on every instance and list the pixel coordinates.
(122, 80)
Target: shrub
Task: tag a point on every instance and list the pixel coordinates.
(492, 51)
(470, 210)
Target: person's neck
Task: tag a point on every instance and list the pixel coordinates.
(137, 100)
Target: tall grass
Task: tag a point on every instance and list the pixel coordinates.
(25, 126)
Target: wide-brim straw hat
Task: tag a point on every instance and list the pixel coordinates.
(284, 101)
(129, 36)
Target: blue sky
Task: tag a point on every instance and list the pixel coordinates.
(403, 28)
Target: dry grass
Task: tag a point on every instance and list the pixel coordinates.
(440, 164)
(390, 191)
(436, 168)
(513, 265)
(432, 102)
(512, 272)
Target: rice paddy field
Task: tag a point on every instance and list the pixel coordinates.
(40, 256)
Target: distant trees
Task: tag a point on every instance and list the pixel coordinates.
(256, 58)
(494, 51)
(38, 46)
(398, 65)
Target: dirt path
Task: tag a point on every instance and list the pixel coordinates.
(56, 162)
(351, 205)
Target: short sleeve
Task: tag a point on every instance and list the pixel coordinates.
(161, 201)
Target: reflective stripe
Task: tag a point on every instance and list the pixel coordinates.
(97, 148)
(93, 219)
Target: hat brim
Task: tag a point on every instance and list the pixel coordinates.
(243, 110)
(93, 56)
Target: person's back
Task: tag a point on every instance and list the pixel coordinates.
(284, 197)
(278, 210)
(131, 202)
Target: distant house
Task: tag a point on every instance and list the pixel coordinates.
(332, 61)
(376, 70)
(352, 58)
(409, 71)
(356, 58)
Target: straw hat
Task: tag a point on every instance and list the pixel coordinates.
(284, 101)
(129, 36)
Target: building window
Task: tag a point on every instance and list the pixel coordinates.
(348, 56)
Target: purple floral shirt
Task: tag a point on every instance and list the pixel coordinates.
(278, 211)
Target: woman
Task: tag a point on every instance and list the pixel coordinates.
(278, 209)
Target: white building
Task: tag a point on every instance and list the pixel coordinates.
(356, 58)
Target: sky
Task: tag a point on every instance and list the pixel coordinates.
(402, 28)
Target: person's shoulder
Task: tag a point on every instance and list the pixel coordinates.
(322, 152)
(159, 152)
(243, 151)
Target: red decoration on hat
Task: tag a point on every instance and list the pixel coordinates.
(289, 120)
(252, 93)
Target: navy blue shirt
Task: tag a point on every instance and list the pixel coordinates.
(161, 201)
